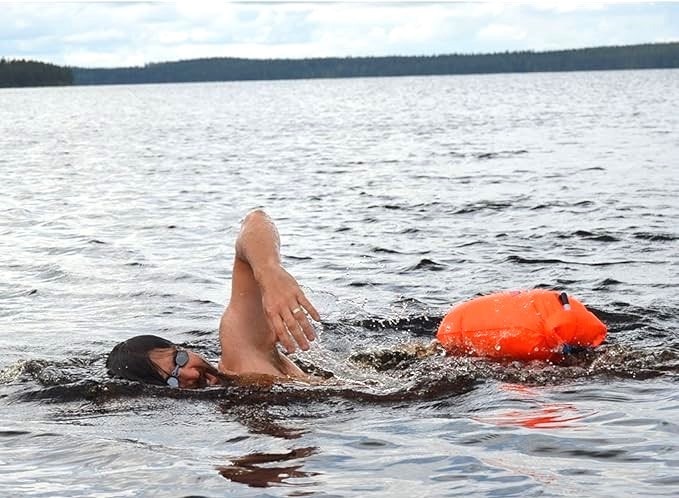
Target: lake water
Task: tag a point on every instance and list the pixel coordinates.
(395, 198)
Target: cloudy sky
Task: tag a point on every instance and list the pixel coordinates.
(105, 34)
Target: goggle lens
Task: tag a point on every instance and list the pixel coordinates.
(181, 358)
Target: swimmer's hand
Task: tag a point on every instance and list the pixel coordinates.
(285, 305)
(286, 309)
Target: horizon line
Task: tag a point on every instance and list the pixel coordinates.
(456, 54)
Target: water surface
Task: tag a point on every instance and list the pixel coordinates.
(395, 198)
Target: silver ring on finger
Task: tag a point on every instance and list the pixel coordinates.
(296, 310)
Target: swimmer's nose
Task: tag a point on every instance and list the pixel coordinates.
(190, 375)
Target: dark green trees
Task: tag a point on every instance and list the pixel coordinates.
(660, 55)
(652, 55)
(33, 73)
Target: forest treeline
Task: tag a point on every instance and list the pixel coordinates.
(661, 55)
(646, 56)
(33, 73)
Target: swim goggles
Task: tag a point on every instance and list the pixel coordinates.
(181, 358)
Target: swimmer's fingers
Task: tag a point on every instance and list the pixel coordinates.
(300, 313)
(282, 334)
(303, 322)
(306, 304)
(296, 329)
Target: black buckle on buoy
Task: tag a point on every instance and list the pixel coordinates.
(563, 299)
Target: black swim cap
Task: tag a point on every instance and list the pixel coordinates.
(130, 359)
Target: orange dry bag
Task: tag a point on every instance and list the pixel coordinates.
(522, 325)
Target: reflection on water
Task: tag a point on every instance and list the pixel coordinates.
(551, 416)
(252, 469)
(259, 421)
(537, 415)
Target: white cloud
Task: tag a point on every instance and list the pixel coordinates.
(500, 32)
(89, 58)
(559, 6)
(120, 33)
(93, 37)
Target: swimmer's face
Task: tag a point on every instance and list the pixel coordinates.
(195, 374)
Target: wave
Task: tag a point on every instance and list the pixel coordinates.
(485, 206)
(499, 154)
(409, 377)
(425, 264)
(656, 237)
(369, 359)
(397, 376)
(534, 261)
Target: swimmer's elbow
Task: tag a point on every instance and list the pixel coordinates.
(257, 229)
(253, 219)
(255, 214)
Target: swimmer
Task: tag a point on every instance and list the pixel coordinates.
(267, 308)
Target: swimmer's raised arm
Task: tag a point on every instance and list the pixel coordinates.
(283, 301)
(258, 242)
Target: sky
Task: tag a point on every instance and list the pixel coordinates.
(114, 34)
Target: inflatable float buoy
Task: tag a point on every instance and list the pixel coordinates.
(520, 325)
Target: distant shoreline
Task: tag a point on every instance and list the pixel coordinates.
(642, 56)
